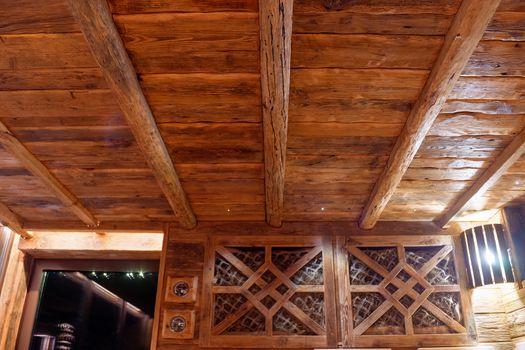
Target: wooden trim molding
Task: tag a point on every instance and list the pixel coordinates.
(462, 38)
(31, 163)
(503, 162)
(276, 45)
(386, 229)
(88, 245)
(11, 220)
(96, 21)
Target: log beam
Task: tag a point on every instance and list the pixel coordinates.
(462, 38)
(31, 163)
(11, 220)
(275, 18)
(96, 22)
(488, 178)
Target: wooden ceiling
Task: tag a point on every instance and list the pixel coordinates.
(358, 71)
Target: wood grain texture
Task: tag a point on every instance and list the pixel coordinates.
(504, 161)
(106, 45)
(276, 39)
(347, 22)
(362, 51)
(462, 38)
(89, 245)
(148, 6)
(13, 145)
(36, 16)
(224, 42)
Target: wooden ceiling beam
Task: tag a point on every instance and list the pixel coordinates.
(96, 22)
(275, 17)
(462, 38)
(503, 162)
(31, 163)
(11, 220)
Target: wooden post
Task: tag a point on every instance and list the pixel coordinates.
(12, 295)
(275, 18)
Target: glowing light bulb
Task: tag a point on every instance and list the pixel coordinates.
(322, 209)
(491, 259)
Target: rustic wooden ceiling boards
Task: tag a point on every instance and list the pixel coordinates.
(96, 22)
(357, 67)
(481, 117)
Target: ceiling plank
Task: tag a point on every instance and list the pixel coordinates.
(31, 163)
(489, 177)
(11, 220)
(275, 18)
(96, 22)
(462, 38)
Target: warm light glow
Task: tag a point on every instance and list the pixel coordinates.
(491, 258)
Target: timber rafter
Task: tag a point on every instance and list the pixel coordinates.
(35, 166)
(97, 24)
(462, 38)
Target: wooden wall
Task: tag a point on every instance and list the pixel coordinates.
(186, 252)
(499, 312)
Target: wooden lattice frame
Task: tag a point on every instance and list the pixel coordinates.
(462, 333)
(215, 335)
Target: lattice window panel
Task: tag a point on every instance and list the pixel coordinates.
(407, 291)
(268, 291)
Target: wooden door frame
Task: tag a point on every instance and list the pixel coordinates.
(32, 298)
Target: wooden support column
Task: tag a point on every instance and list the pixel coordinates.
(96, 21)
(462, 38)
(503, 162)
(275, 18)
(11, 220)
(12, 295)
(31, 163)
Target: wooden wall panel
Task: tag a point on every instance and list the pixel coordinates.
(188, 256)
(391, 283)
(500, 315)
(184, 257)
